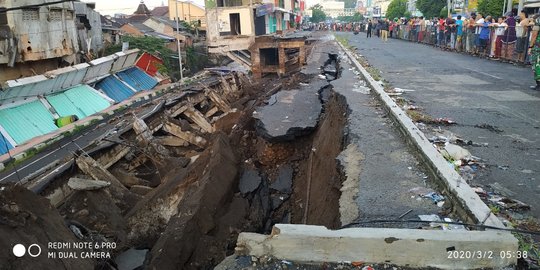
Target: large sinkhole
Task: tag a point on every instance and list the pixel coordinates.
(180, 191)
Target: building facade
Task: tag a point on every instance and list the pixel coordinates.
(235, 24)
(36, 36)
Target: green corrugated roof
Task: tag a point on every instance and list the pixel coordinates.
(81, 101)
(27, 121)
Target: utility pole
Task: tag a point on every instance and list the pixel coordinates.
(178, 42)
(449, 7)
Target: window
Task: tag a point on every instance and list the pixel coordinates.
(3, 16)
(55, 15)
(30, 14)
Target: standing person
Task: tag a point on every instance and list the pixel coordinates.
(422, 29)
(369, 29)
(522, 44)
(500, 28)
(384, 30)
(509, 38)
(440, 30)
(483, 36)
(450, 32)
(535, 57)
(470, 33)
(459, 33)
(478, 24)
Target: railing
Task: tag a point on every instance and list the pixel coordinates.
(510, 43)
(499, 43)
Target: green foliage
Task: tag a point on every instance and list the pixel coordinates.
(152, 45)
(356, 18)
(491, 7)
(318, 14)
(444, 12)
(396, 9)
(195, 60)
(430, 8)
(350, 3)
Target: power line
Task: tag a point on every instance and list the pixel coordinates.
(4, 10)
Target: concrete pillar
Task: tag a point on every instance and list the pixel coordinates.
(302, 56)
(282, 60)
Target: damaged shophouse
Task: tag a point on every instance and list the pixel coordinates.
(257, 34)
(36, 37)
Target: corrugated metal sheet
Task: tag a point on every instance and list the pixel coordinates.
(27, 121)
(99, 67)
(81, 101)
(149, 63)
(26, 87)
(115, 89)
(4, 145)
(68, 77)
(137, 79)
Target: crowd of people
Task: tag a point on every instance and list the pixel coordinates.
(507, 37)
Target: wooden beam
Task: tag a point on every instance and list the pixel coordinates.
(199, 119)
(177, 131)
(218, 101)
(171, 141)
(113, 156)
(211, 112)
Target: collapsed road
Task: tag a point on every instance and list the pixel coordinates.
(175, 189)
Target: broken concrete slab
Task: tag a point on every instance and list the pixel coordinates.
(425, 248)
(141, 190)
(290, 114)
(283, 182)
(131, 259)
(249, 181)
(87, 184)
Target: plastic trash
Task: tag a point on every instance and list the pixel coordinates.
(436, 197)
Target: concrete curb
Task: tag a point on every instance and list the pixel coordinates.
(451, 181)
(402, 247)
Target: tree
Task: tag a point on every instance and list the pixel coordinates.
(491, 7)
(430, 8)
(318, 14)
(444, 12)
(152, 45)
(357, 17)
(350, 3)
(396, 9)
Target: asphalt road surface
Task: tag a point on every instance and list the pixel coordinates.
(475, 93)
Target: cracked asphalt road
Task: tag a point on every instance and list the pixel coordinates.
(474, 92)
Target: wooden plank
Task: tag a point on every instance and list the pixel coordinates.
(114, 156)
(218, 101)
(171, 141)
(185, 135)
(199, 119)
(211, 112)
(178, 109)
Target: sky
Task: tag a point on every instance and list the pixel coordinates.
(110, 7)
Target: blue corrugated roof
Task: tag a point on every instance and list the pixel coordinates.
(81, 101)
(27, 121)
(115, 89)
(4, 145)
(137, 79)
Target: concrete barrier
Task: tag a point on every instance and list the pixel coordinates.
(402, 247)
